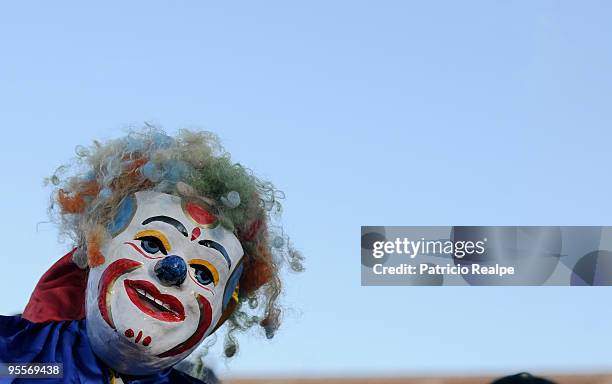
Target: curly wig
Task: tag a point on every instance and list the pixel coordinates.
(89, 191)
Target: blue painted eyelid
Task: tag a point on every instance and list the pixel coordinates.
(124, 215)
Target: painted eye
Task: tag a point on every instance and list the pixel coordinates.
(202, 274)
(152, 245)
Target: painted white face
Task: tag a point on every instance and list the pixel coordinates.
(168, 273)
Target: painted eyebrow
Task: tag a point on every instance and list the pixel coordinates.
(214, 245)
(168, 220)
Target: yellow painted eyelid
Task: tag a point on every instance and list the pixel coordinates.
(157, 234)
(209, 265)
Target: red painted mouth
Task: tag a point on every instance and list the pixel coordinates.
(151, 301)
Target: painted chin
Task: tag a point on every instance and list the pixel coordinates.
(204, 321)
(146, 297)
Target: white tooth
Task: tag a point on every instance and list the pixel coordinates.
(167, 306)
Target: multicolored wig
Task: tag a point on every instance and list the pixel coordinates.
(193, 164)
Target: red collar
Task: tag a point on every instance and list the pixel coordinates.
(60, 293)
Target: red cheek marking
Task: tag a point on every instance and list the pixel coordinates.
(203, 325)
(195, 233)
(138, 337)
(129, 333)
(146, 341)
(199, 214)
(107, 280)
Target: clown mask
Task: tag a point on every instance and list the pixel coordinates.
(169, 273)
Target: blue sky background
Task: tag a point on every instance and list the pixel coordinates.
(364, 113)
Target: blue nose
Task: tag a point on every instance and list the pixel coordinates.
(171, 270)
